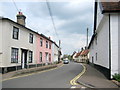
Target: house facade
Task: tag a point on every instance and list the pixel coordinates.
(18, 45)
(82, 56)
(44, 50)
(77, 57)
(73, 55)
(55, 52)
(104, 45)
(22, 47)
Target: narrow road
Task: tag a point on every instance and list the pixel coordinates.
(57, 78)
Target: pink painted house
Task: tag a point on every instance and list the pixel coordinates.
(44, 50)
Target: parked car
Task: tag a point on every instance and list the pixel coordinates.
(66, 61)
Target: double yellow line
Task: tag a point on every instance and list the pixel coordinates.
(73, 81)
(31, 73)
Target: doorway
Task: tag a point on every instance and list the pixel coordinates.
(24, 58)
(46, 57)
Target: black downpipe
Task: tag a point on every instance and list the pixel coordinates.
(95, 16)
(109, 49)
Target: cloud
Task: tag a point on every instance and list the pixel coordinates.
(71, 20)
(72, 42)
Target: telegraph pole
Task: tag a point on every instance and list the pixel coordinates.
(87, 38)
(59, 52)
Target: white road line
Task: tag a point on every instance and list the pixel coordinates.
(73, 87)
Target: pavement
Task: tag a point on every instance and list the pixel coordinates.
(56, 78)
(28, 71)
(92, 78)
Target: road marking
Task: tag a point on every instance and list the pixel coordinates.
(32, 73)
(83, 87)
(73, 87)
(73, 81)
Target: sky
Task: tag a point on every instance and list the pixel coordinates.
(71, 19)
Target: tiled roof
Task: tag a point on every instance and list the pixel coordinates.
(111, 6)
(78, 54)
(84, 52)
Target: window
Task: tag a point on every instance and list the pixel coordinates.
(96, 56)
(49, 57)
(41, 42)
(31, 38)
(46, 44)
(30, 56)
(40, 56)
(15, 33)
(14, 55)
(96, 40)
(49, 45)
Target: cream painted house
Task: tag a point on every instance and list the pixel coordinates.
(22, 47)
(18, 44)
(104, 45)
(82, 56)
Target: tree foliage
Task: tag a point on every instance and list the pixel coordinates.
(67, 56)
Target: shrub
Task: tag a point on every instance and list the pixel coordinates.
(116, 77)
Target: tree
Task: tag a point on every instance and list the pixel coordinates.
(67, 56)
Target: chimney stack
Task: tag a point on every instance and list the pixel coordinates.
(21, 18)
(49, 37)
(82, 49)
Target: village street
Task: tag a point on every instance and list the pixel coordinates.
(57, 78)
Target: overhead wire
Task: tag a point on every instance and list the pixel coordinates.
(15, 5)
(50, 12)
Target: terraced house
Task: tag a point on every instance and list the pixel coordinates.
(22, 47)
(105, 43)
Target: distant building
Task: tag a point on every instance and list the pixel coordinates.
(104, 45)
(22, 47)
(82, 56)
(78, 57)
(55, 52)
(73, 55)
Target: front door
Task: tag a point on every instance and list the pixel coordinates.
(24, 58)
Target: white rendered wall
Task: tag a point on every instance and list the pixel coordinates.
(55, 53)
(103, 42)
(119, 43)
(99, 15)
(101, 48)
(1, 42)
(114, 43)
(92, 52)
